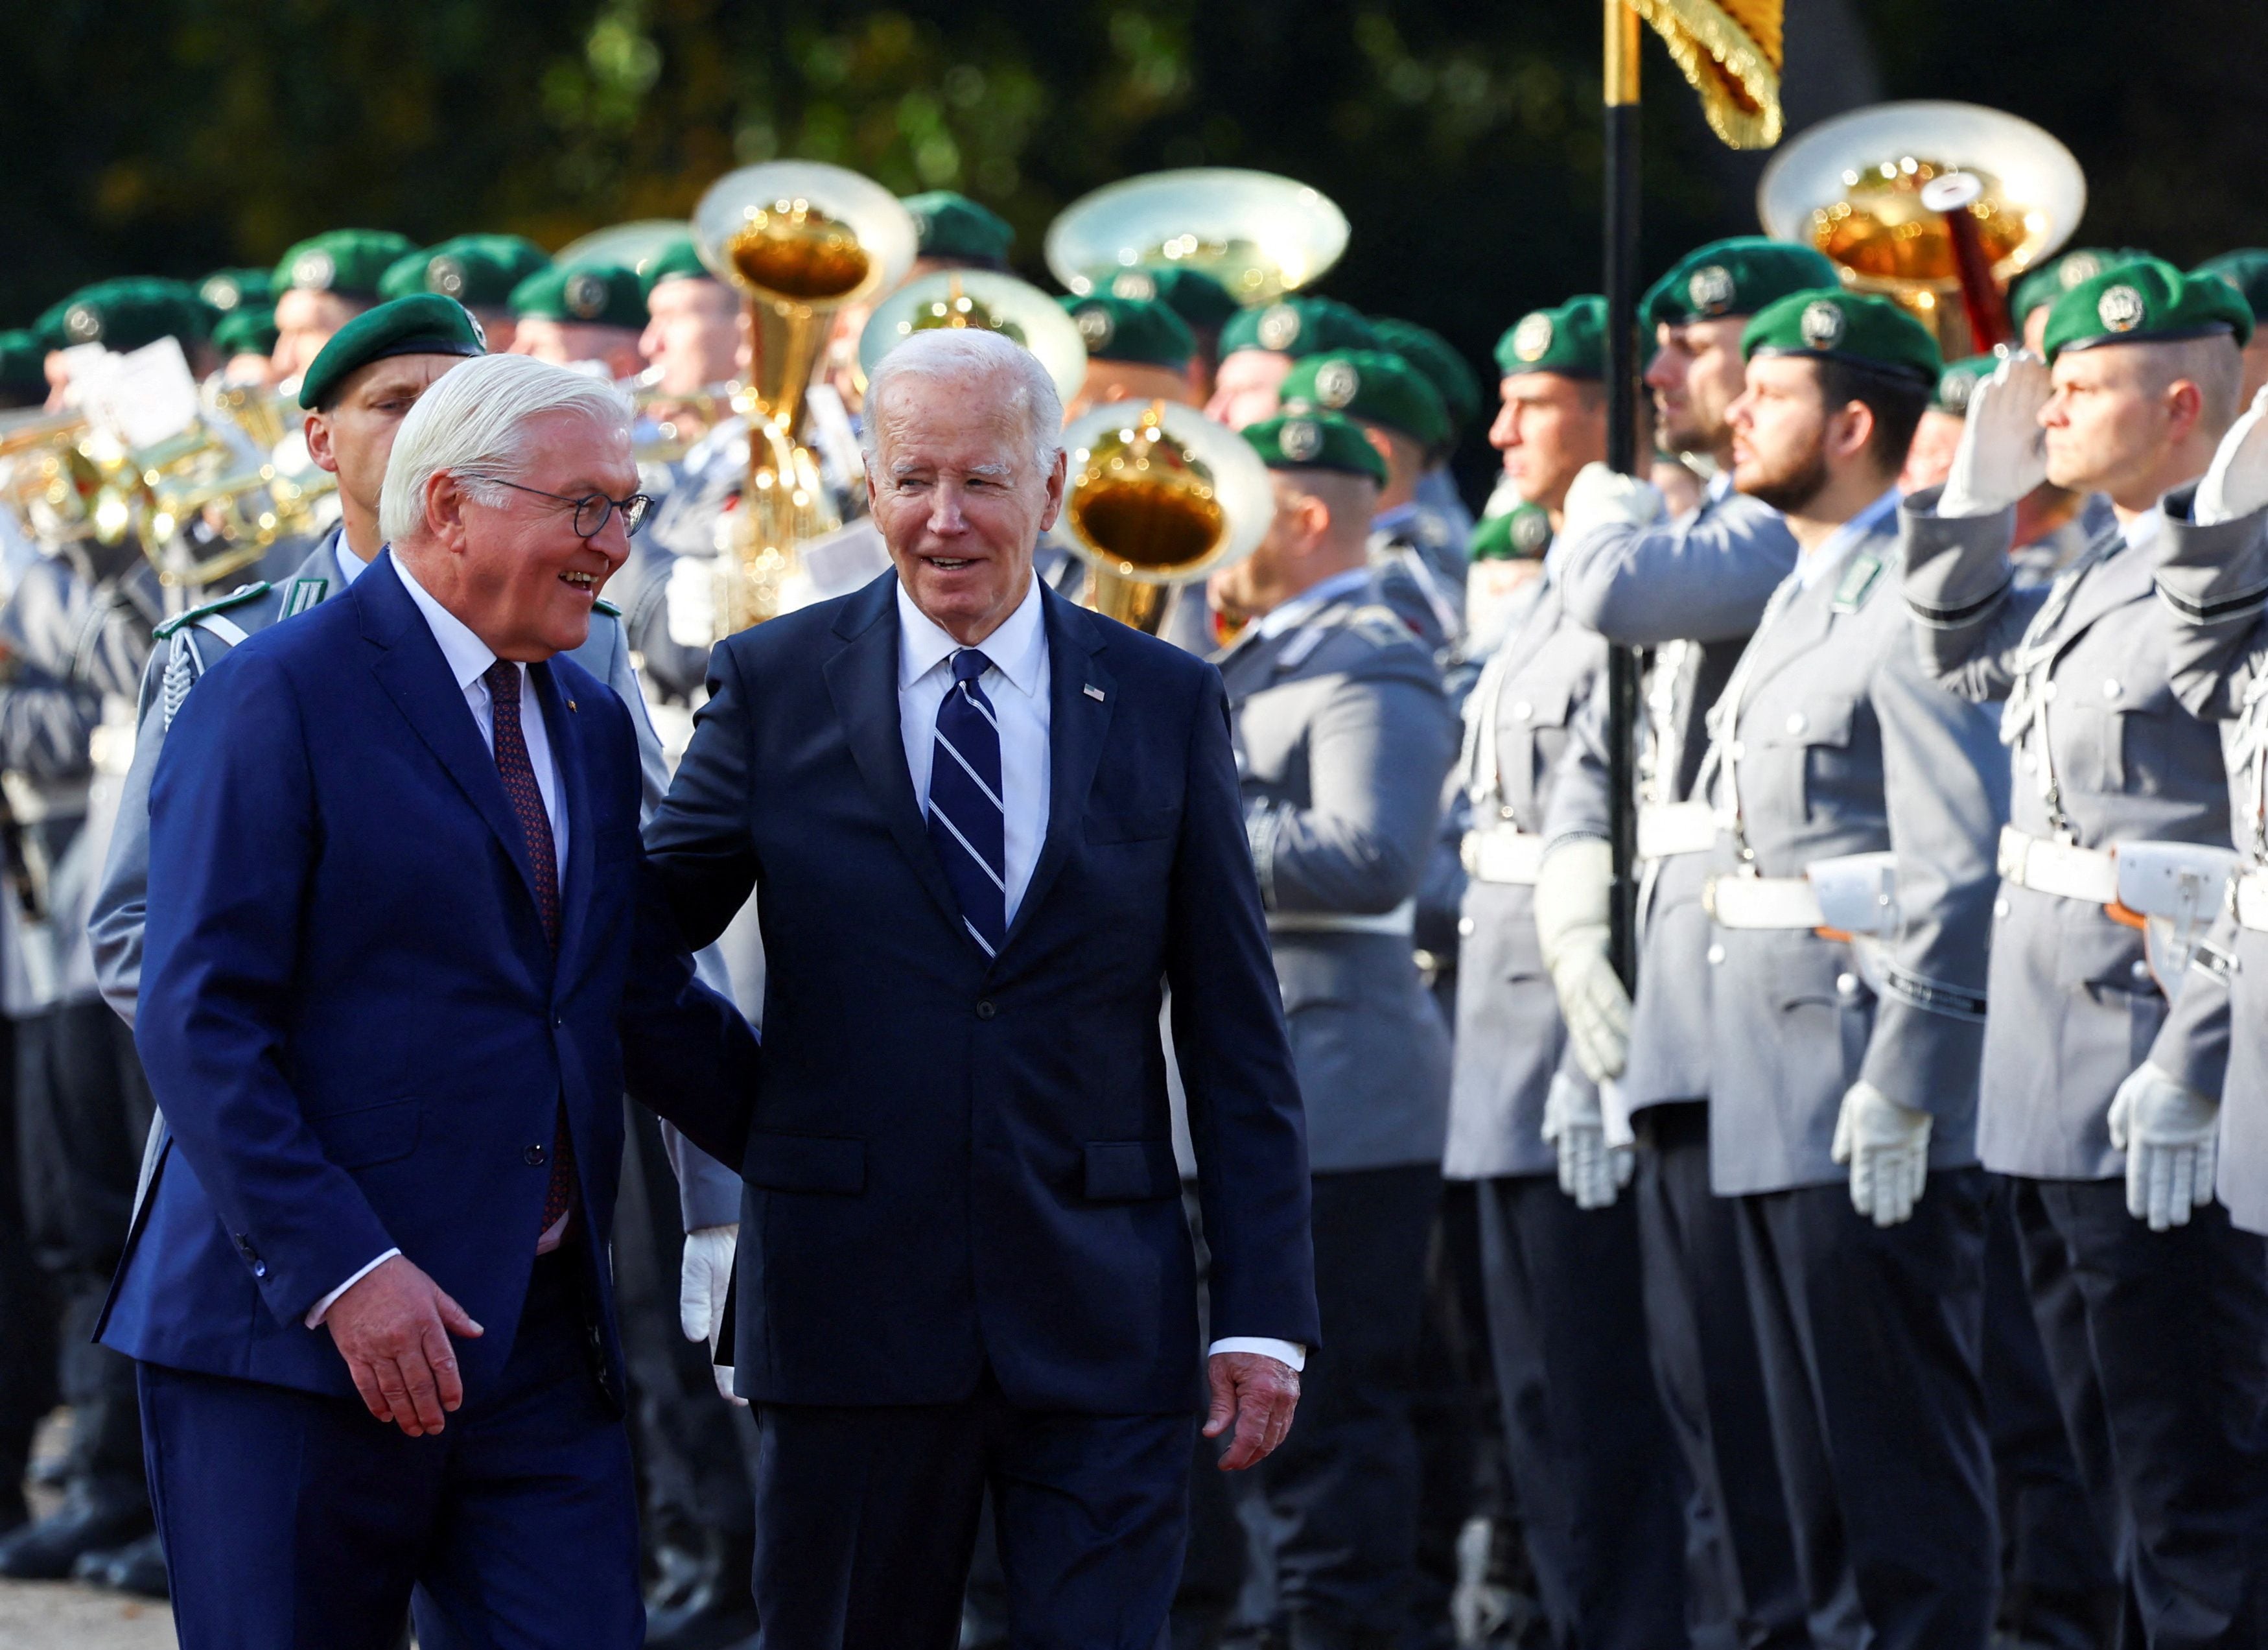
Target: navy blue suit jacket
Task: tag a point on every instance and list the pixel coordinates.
(955, 1160)
(351, 1015)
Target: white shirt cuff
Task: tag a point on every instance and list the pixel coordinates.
(1283, 1352)
(314, 1318)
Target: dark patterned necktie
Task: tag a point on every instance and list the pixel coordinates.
(966, 821)
(526, 798)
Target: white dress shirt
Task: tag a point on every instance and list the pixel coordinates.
(468, 658)
(1018, 686)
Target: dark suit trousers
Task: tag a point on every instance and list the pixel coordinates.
(1592, 1465)
(296, 1521)
(1740, 1566)
(2160, 1355)
(1872, 1346)
(866, 1518)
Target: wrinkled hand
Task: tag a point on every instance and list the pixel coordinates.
(1590, 1171)
(704, 1282)
(1599, 496)
(1255, 1394)
(2003, 452)
(2171, 1135)
(1887, 1146)
(689, 601)
(392, 1328)
(2236, 482)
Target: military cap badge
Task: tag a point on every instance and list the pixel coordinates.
(222, 292)
(1822, 324)
(1530, 531)
(585, 296)
(83, 324)
(1095, 326)
(313, 271)
(1532, 337)
(446, 275)
(1301, 440)
(1337, 384)
(1279, 327)
(1711, 290)
(1136, 286)
(2120, 308)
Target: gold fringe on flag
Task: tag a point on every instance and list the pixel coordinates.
(1731, 51)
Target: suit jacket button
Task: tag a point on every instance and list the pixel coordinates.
(535, 1155)
(259, 1269)
(985, 1008)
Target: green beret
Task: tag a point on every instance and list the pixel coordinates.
(1192, 294)
(679, 261)
(427, 324)
(1131, 329)
(1737, 276)
(1522, 533)
(1858, 328)
(247, 329)
(1571, 340)
(1370, 387)
(1300, 324)
(1434, 356)
(22, 367)
(125, 315)
(954, 226)
(2246, 271)
(585, 294)
(348, 262)
(2148, 301)
(224, 290)
(474, 270)
(1315, 441)
(1958, 382)
(2057, 275)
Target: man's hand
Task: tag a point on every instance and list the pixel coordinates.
(689, 601)
(2171, 1135)
(1887, 1145)
(704, 1282)
(2236, 482)
(1599, 496)
(392, 1328)
(2003, 452)
(1574, 900)
(1256, 1394)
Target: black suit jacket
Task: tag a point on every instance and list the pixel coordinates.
(954, 1160)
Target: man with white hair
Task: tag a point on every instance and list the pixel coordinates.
(398, 972)
(987, 825)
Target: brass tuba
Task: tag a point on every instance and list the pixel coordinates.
(1159, 496)
(1941, 205)
(1258, 234)
(799, 239)
(988, 302)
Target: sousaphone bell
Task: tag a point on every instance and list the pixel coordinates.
(987, 301)
(1258, 234)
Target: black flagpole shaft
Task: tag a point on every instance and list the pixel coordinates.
(1622, 709)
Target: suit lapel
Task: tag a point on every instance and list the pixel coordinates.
(562, 728)
(1077, 721)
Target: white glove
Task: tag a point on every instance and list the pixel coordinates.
(2003, 452)
(704, 1282)
(1590, 1171)
(689, 599)
(1887, 1146)
(1599, 496)
(1573, 893)
(2171, 1135)
(2236, 482)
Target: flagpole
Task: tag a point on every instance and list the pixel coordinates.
(1620, 236)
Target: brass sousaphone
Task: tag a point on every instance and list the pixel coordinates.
(1258, 234)
(980, 300)
(799, 239)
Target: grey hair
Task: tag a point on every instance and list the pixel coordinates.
(957, 352)
(472, 421)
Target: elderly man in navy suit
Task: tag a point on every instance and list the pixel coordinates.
(403, 959)
(988, 828)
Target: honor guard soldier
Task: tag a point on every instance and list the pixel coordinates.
(1202, 302)
(2247, 271)
(2031, 298)
(1138, 348)
(1260, 347)
(1460, 389)
(123, 315)
(1344, 739)
(1689, 589)
(1585, 1438)
(592, 312)
(324, 283)
(244, 341)
(1843, 1083)
(479, 271)
(1417, 555)
(1504, 575)
(2153, 1307)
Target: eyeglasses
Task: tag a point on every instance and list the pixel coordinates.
(593, 510)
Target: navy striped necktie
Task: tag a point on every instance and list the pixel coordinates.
(966, 819)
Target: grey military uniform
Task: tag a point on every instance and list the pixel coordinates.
(1418, 559)
(1691, 591)
(2104, 753)
(1510, 1039)
(1832, 742)
(1342, 740)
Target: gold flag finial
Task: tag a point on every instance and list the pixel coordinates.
(1731, 51)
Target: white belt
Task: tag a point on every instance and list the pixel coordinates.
(1676, 827)
(1401, 921)
(1502, 853)
(2253, 901)
(2059, 868)
(1762, 902)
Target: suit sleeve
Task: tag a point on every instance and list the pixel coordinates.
(234, 838)
(2214, 579)
(1960, 589)
(687, 1056)
(1703, 578)
(1246, 1123)
(697, 841)
(1945, 776)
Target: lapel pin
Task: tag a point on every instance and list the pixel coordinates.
(571, 704)
(1094, 693)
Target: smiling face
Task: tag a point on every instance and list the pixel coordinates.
(960, 497)
(515, 571)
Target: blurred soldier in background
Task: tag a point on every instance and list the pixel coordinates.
(322, 283)
(594, 312)
(479, 271)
